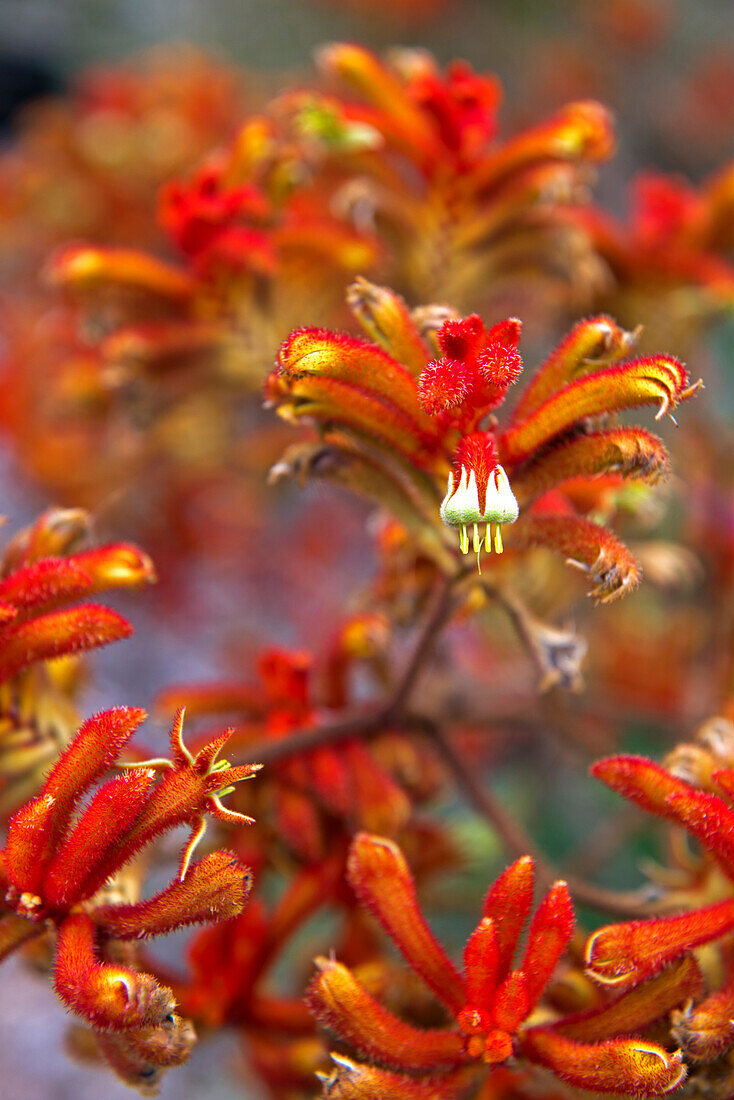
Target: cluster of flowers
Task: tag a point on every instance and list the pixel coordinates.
(403, 173)
(400, 418)
(57, 870)
(409, 427)
(144, 373)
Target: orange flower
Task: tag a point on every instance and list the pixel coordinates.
(57, 859)
(402, 426)
(491, 1003)
(45, 573)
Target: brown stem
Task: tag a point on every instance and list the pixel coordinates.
(510, 831)
(439, 614)
(315, 737)
(519, 843)
(371, 722)
(515, 838)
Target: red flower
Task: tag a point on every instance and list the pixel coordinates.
(405, 421)
(490, 1004)
(209, 220)
(43, 576)
(311, 796)
(57, 859)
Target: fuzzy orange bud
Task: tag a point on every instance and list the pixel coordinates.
(381, 879)
(630, 452)
(593, 341)
(216, 888)
(45, 582)
(85, 268)
(618, 1065)
(110, 812)
(385, 317)
(30, 839)
(60, 633)
(116, 565)
(512, 1002)
(109, 997)
(579, 131)
(96, 745)
(342, 1004)
(633, 950)
(641, 781)
(710, 820)
(550, 932)
(319, 354)
(362, 70)
(659, 380)
(481, 964)
(508, 904)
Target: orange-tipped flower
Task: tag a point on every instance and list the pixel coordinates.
(382, 881)
(405, 431)
(627, 953)
(216, 888)
(86, 269)
(59, 633)
(492, 1002)
(617, 1065)
(57, 858)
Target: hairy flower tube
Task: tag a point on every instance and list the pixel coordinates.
(491, 1005)
(464, 212)
(400, 171)
(59, 855)
(408, 413)
(623, 955)
(45, 571)
(34, 623)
